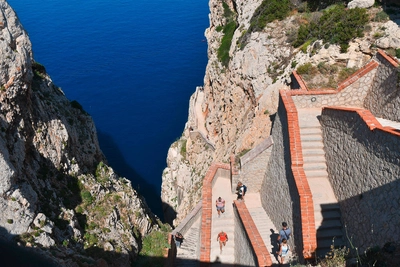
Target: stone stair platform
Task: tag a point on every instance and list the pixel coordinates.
(263, 223)
(224, 222)
(326, 209)
(186, 255)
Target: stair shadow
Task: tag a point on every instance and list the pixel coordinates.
(330, 232)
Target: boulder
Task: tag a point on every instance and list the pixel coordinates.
(361, 3)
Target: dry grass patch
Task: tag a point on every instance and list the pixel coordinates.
(324, 76)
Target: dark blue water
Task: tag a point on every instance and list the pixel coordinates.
(132, 65)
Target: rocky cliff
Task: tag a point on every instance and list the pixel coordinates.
(232, 112)
(57, 195)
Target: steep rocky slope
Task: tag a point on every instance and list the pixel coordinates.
(232, 110)
(57, 195)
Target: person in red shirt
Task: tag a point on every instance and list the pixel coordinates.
(222, 238)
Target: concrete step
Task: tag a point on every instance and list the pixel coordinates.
(316, 173)
(330, 224)
(327, 215)
(314, 166)
(312, 145)
(329, 233)
(314, 158)
(311, 137)
(189, 246)
(327, 243)
(265, 227)
(310, 130)
(313, 151)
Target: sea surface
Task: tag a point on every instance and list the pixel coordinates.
(132, 65)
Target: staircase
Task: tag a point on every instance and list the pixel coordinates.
(326, 208)
(187, 254)
(266, 228)
(224, 222)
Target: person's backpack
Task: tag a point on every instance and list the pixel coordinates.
(244, 189)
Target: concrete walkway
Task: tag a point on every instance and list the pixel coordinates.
(225, 222)
(263, 223)
(200, 120)
(389, 123)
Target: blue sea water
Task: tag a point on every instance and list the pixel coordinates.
(132, 65)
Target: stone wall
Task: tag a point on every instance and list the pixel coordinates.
(254, 165)
(383, 98)
(279, 196)
(250, 249)
(351, 92)
(244, 254)
(364, 168)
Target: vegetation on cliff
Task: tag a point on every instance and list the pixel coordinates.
(337, 25)
(228, 29)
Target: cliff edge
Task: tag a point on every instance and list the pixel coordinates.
(57, 195)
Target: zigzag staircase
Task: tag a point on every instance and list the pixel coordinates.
(187, 254)
(326, 208)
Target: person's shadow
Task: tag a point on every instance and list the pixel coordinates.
(274, 243)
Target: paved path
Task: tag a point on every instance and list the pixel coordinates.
(263, 223)
(225, 222)
(200, 120)
(328, 225)
(389, 123)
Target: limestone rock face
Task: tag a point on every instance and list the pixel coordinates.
(361, 3)
(55, 191)
(232, 109)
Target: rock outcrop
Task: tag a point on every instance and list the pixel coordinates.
(238, 100)
(57, 195)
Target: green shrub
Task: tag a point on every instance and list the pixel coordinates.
(91, 239)
(228, 30)
(381, 16)
(268, 11)
(223, 51)
(398, 52)
(10, 221)
(337, 25)
(345, 73)
(183, 148)
(304, 69)
(87, 197)
(335, 257)
(38, 70)
(304, 47)
(154, 244)
(152, 252)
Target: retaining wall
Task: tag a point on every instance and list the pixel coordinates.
(283, 198)
(351, 92)
(250, 249)
(383, 100)
(363, 161)
(254, 165)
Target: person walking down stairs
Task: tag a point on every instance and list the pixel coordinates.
(222, 238)
(284, 233)
(220, 204)
(283, 251)
(241, 190)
